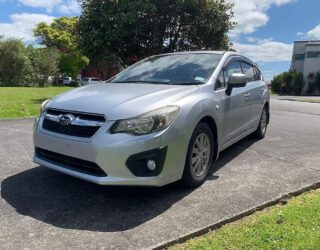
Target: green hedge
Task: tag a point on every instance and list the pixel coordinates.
(288, 83)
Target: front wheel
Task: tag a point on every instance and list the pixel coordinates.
(199, 156)
(261, 131)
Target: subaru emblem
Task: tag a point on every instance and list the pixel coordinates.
(66, 120)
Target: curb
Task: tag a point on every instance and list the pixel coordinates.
(221, 223)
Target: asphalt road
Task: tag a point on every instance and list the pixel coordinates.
(42, 209)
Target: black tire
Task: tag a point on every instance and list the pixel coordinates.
(261, 131)
(189, 178)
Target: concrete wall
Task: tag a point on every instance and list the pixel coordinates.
(311, 65)
(307, 65)
(298, 48)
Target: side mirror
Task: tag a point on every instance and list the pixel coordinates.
(236, 80)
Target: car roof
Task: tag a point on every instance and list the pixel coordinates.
(217, 52)
(197, 52)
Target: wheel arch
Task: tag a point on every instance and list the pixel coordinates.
(267, 105)
(213, 126)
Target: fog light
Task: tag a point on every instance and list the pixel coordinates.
(151, 165)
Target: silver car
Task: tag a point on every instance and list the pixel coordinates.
(164, 119)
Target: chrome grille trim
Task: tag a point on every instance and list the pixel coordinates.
(77, 122)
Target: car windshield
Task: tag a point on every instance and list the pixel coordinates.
(180, 69)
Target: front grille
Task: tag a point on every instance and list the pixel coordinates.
(74, 129)
(71, 163)
(79, 131)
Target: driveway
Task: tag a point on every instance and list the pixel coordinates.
(42, 209)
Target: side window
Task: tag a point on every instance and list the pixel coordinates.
(220, 81)
(233, 67)
(258, 74)
(249, 71)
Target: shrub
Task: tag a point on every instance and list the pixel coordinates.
(317, 81)
(75, 84)
(314, 83)
(13, 62)
(26, 66)
(288, 83)
(44, 63)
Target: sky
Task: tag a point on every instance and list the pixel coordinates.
(265, 32)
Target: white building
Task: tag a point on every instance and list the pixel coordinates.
(306, 59)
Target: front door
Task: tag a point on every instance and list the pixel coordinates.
(235, 107)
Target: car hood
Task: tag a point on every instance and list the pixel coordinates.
(120, 101)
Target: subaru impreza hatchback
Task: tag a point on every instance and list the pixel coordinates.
(163, 119)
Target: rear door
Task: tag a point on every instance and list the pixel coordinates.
(260, 89)
(256, 88)
(235, 108)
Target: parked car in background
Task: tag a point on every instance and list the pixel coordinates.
(89, 81)
(163, 119)
(51, 79)
(67, 80)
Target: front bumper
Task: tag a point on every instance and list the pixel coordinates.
(111, 153)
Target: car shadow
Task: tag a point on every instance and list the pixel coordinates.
(67, 202)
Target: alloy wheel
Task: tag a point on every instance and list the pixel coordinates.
(263, 122)
(201, 152)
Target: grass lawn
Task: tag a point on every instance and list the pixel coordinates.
(298, 228)
(22, 102)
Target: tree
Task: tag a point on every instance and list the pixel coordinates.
(44, 63)
(13, 62)
(61, 35)
(130, 30)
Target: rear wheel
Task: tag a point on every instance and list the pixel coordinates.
(261, 131)
(199, 156)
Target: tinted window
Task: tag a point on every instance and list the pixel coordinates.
(249, 71)
(299, 56)
(313, 54)
(189, 68)
(94, 80)
(220, 81)
(258, 74)
(232, 68)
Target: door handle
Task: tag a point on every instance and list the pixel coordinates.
(247, 96)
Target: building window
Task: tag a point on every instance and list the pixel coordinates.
(313, 54)
(299, 56)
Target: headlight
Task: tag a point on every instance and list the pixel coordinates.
(147, 123)
(44, 106)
